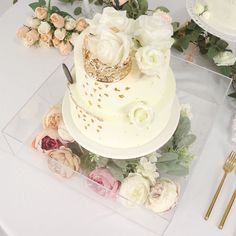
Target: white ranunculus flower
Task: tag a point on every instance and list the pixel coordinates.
(199, 8)
(60, 33)
(151, 60)
(33, 22)
(109, 47)
(148, 170)
(140, 114)
(163, 196)
(225, 59)
(135, 188)
(114, 19)
(154, 30)
(70, 23)
(44, 27)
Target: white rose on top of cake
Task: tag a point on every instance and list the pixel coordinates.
(124, 88)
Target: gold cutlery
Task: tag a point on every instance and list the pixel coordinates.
(227, 210)
(228, 167)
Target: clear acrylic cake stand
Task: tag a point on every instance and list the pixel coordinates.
(203, 89)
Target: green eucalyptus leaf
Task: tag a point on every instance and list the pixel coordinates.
(162, 167)
(168, 156)
(143, 6)
(42, 3)
(102, 162)
(184, 42)
(212, 52)
(175, 26)
(222, 44)
(233, 95)
(166, 10)
(34, 5)
(183, 128)
(179, 170)
(77, 11)
(186, 141)
(226, 70)
(116, 171)
(120, 163)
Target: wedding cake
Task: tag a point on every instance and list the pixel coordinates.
(124, 88)
(220, 14)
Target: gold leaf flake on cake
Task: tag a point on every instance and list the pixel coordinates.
(121, 96)
(99, 106)
(117, 90)
(94, 90)
(99, 100)
(92, 120)
(106, 94)
(127, 88)
(90, 103)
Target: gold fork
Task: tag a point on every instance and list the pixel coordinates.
(228, 167)
(227, 210)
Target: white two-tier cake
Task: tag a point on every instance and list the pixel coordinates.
(124, 88)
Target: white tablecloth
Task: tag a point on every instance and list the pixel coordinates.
(32, 203)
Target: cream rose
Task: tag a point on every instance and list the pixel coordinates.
(33, 22)
(109, 47)
(151, 60)
(225, 59)
(41, 13)
(60, 34)
(135, 188)
(52, 118)
(140, 114)
(57, 20)
(154, 30)
(65, 48)
(70, 23)
(44, 27)
(81, 24)
(22, 31)
(44, 44)
(163, 15)
(31, 38)
(113, 19)
(163, 196)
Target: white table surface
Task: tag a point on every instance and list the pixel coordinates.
(34, 204)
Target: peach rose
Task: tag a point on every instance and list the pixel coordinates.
(31, 38)
(81, 24)
(52, 118)
(65, 48)
(46, 37)
(121, 2)
(22, 31)
(47, 140)
(41, 13)
(56, 42)
(64, 162)
(57, 20)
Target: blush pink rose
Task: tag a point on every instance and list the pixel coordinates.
(57, 20)
(22, 31)
(31, 37)
(104, 177)
(65, 48)
(56, 42)
(46, 37)
(81, 24)
(47, 140)
(41, 13)
(121, 2)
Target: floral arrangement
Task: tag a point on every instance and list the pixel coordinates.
(138, 181)
(50, 27)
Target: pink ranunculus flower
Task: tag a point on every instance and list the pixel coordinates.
(121, 2)
(22, 31)
(104, 177)
(41, 13)
(65, 48)
(81, 24)
(57, 20)
(47, 140)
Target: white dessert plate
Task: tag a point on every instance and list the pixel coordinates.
(120, 153)
(224, 33)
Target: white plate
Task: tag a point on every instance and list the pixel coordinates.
(222, 33)
(120, 153)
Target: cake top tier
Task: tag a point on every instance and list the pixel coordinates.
(112, 42)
